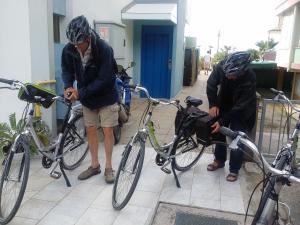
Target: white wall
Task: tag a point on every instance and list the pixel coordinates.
(15, 57)
(100, 10)
(25, 50)
(284, 45)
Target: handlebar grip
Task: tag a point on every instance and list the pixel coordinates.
(276, 92)
(10, 82)
(228, 132)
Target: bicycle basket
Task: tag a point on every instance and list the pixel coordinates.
(36, 90)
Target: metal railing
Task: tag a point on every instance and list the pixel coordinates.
(275, 126)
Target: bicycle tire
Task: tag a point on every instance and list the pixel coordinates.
(75, 134)
(137, 164)
(189, 144)
(270, 186)
(7, 213)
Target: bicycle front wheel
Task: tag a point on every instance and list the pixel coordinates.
(14, 177)
(187, 152)
(269, 211)
(74, 146)
(128, 172)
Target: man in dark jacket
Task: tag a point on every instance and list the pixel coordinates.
(231, 94)
(90, 61)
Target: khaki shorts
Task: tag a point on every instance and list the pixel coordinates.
(107, 116)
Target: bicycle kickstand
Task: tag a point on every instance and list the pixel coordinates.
(176, 178)
(65, 175)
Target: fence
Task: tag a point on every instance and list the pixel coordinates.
(275, 125)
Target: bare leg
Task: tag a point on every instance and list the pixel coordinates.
(108, 144)
(92, 135)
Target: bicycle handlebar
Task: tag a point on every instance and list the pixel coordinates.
(241, 138)
(6, 81)
(280, 94)
(137, 88)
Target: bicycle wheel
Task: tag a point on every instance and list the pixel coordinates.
(74, 146)
(187, 152)
(128, 172)
(267, 195)
(14, 177)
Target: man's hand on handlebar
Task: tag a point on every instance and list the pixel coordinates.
(71, 94)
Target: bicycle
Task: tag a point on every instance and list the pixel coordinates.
(182, 152)
(283, 171)
(68, 150)
(124, 101)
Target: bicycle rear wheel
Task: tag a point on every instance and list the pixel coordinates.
(187, 152)
(13, 182)
(74, 146)
(128, 172)
(267, 195)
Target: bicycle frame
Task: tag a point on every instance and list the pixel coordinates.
(72, 111)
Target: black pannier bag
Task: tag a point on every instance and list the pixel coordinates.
(196, 121)
(36, 90)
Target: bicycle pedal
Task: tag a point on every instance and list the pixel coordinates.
(55, 174)
(166, 170)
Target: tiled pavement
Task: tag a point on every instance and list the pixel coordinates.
(49, 201)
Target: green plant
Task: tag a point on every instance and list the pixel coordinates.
(9, 132)
(264, 46)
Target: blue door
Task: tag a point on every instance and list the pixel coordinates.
(156, 60)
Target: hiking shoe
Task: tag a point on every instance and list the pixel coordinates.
(109, 175)
(89, 173)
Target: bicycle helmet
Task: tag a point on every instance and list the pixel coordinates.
(236, 63)
(78, 30)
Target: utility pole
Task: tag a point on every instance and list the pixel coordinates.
(219, 34)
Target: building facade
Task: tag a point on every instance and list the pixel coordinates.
(150, 33)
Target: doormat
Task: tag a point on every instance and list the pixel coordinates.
(190, 219)
(173, 214)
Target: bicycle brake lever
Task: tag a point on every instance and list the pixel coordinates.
(234, 145)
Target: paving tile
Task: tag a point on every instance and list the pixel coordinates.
(53, 192)
(37, 183)
(175, 195)
(96, 217)
(132, 215)
(84, 190)
(104, 199)
(62, 215)
(24, 221)
(35, 209)
(232, 204)
(144, 199)
(204, 203)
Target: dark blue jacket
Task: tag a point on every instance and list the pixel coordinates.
(235, 98)
(95, 82)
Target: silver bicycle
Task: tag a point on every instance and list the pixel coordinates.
(181, 153)
(283, 171)
(67, 151)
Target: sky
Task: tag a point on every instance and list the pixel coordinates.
(241, 22)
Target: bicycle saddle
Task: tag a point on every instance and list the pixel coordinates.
(192, 101)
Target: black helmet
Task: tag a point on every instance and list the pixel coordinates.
(78, 30)
(236, 63)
